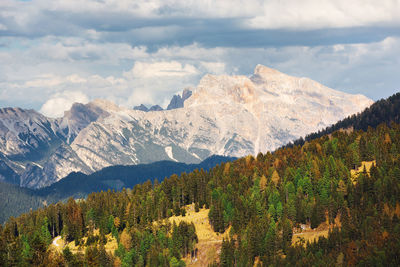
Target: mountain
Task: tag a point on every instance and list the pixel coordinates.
(155, 108)
(15, 200)
(177, 101)
(7, 174)
(78, 117)
(79, 185)
(141, 107)
(382, 111)
(26, 135)
(224, 115)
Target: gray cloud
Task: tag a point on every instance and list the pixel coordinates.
(53, 51)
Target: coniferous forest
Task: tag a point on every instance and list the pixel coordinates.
(348, 181)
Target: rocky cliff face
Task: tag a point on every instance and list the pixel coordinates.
(226, 115)
(27, 135)
(78, 117)
(177, 100)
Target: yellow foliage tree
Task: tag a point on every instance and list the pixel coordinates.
(117, 222)
(227, 168)
(126, 239)
(275, 178)
(263, 183)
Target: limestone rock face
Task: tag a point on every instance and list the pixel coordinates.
(78, 117)
(225, 115)
(26, 134)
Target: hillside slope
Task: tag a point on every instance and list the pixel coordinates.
(268, 203)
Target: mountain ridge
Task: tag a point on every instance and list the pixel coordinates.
(224, 115)
(79, 185)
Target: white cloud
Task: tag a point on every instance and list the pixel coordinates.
(160, 69)
(57, 104)
(140, 96)
(319, 14)
(214, 67)
(151, 77)
(272, 14)
(143, 51)
(47, 80)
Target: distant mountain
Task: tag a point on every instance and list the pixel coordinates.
(145, 109)
(26, 135)
(141, 108)
(382, 111)
(15, 200)
(79, 185)
(224, 115)
(155, 108)
(78, 117)
(177, 100)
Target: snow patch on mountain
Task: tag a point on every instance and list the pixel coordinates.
(168, 150)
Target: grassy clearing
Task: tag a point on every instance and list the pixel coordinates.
(59, 244)
(367, 165)
(209, 245)
(312, 235)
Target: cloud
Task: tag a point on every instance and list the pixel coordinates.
(160, 69)
(322, 14)
(133, 52)
(155, 82)
(210, 23)
(57, 104)
(47, 80)
(214, 67)
(157, 75)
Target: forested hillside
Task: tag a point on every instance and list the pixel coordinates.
(15, 200)
(263, 201)
(79, 185)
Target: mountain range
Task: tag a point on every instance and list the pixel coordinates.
(225, 115)
(15, 200)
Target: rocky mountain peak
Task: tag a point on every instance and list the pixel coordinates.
(141, 108)
(266, 72)
(155, 108)
(80, 116)
(225, 115)
(177, 101)
(186, 93)
(105, 104)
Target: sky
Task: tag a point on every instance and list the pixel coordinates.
(54, 53)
